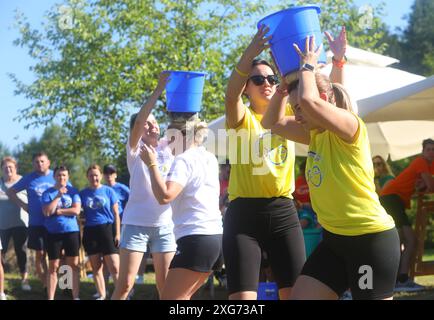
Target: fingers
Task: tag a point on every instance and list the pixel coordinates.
(312, 44)
(297, 49)
(329, 36)
(306, 45)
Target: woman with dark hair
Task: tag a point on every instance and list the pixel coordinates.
(261, 214)
(360, 246)
(61, 205)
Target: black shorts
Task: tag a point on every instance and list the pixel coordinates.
(99, 240)
(255, 224)
(37, 238)
(395, 207)
(367, 264)
(201, 253)
(69, 241)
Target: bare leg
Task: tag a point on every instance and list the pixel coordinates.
(73, 263)
(112, 262)
(129, 265)
(53, 266)
(41, 266)
(308, 288)
(161, 265)
(96, 263)
(181, 284)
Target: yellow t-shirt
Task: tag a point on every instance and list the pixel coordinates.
(262, 163)
(341, 183)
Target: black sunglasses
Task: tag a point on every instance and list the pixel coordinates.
(260, 80)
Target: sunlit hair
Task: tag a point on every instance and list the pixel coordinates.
(193, 127)
(336, 93)
(9, 159)
(93, 167)
(385, 168)
(60, 168)
(427, 142)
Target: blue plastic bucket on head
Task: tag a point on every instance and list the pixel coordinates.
(312, 237)
(184, 91)
(290, 26)
(268, 291)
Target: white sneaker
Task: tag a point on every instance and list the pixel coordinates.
(3, 296)
(100, 298)
(408, 286)
(25, 286)
(76, 299)
(96, 294)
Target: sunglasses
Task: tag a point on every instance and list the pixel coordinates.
(260, 80)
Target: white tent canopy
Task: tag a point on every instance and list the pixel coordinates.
(386, 99)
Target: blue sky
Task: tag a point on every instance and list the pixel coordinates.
(16, 60)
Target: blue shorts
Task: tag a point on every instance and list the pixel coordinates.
(138, 238)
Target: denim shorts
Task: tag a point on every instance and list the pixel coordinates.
(138, 238)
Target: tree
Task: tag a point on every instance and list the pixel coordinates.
(418, 39)
(98, 60)
(4, 150)
(54, 142)
(365, 28)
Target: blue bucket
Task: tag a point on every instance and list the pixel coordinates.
(268, 291)
(290, 26)
(312, 237)
(184, 91)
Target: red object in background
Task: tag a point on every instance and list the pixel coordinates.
(301, 192)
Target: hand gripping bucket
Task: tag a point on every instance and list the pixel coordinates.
(290, 26)
(184, 91)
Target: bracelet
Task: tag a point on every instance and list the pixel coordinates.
(152, 165)
(241, 73)
(339, 64)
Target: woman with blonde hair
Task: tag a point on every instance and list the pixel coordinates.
(192, 188)
(383, 173)
(360, 246)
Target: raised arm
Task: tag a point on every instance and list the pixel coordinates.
(276, 119)
(338, 47)
(234, 107)
(145, 110)
(316, 108)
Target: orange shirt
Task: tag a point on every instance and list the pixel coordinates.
(404, 184)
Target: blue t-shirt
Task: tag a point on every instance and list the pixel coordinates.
(123, 193)
(97, 205)
(61, 224)
(35, 185)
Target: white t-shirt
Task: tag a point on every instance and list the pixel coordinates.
(196, 209)
(142, 208)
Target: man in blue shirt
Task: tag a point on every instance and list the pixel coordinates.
(122, 191)
(35, 183)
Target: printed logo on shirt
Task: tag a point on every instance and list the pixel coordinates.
(272, 147)
(96, 202)
(314, 176)
(41, 188)
(65, 201)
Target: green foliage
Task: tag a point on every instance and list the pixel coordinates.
(96, 61)
(418, 39)
(365, 28)
(4, 150)
(54, 141)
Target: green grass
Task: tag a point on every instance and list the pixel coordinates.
(146, 291)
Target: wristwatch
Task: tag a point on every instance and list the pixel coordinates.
(307, 66)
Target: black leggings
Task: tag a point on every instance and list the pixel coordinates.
(19, 235)
(255, 224)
